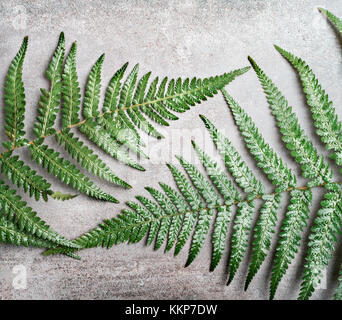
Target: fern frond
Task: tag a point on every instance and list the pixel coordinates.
(113, 90)
(127, 108)
(176, 223)
(103, 139)
(217, 176)
(242, 226)
(14, 209)
(224, 213)
(194, 201)
(302, 150)
(71, 96)
(335, 20)
(23, 176)
(313, 167)
(204, 217)
(263, 232)
(237, 167)
(15, 100)
(50, 100)
(326, 121)
(247, 181)
(327, 225)
(10, 233)
(168, 209)
(87, 158)
(65, 171)
(92, 93)
(296, 219)
(276, 170)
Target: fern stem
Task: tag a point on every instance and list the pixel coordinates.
(62, 250)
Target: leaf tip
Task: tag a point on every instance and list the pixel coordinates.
(321, 10)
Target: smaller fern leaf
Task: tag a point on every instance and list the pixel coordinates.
(15, 100)
(50, 100)
(224, 213)
(104, 140)
(219, 237)
(212, 200)
(247, 181)
(176, 223)
(14, 209)
(194, 201)
(169, 210)
(237, 167)
(327, 225)
(106, 234)
(218, 177)
(92, 92)
(338, 292)
(23, 176)
(202, 184)
(150, 110)
(152, 221)
(127, 90)
(201, 230)
(295, 220)
(136, 231)
(57, 195)
(121, 136)
(71, 96)
(113, 90)
(160, 232)
(137, 116)
(10, 233)
(159, 107)
(241, 229)
(65, 171)
(302, 150)
(87, 158)
(263, 234)
(121, 120)
(110, 105)
(275, 169)
(327, 124)
(337, 22)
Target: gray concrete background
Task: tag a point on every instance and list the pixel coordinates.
(175, 38)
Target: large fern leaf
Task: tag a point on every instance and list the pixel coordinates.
(15, 100)
(313, 167)
(115, 129)
(125, 111)
(173, 217)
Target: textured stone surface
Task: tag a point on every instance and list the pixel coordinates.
(180, 38)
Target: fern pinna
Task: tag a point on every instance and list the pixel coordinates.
(175, 216)
(128, 104)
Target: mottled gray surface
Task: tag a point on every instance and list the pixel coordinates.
(180, 38)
